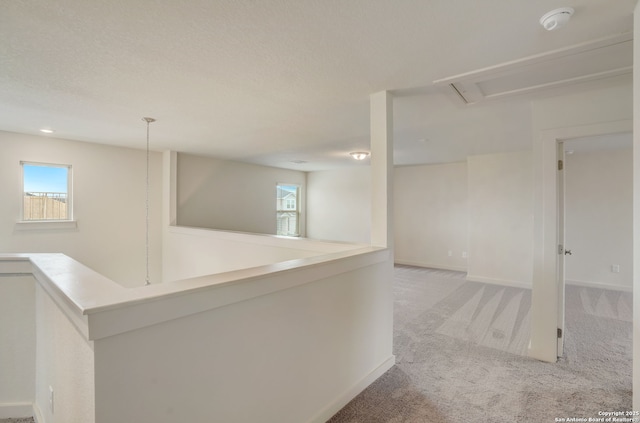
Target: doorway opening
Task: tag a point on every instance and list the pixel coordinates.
(547, 308)
(595, 227)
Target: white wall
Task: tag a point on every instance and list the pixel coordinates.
(599, 218)
(65, 362)
(108, 202)
(17, 345)
(431, 215)
(500, 218)
(609, 103)
(482, 207)
(339, 204)
(228, 195)
(295, 355)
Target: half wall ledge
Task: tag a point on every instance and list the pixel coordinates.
(99, 307)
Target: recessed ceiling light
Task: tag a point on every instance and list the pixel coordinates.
(47, 131)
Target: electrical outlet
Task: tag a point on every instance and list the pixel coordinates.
(615, 268)
(464, 254)
(450, 254)
(51, 398)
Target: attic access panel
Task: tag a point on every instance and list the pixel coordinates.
(603, 58)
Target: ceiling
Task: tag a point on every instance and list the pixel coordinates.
(280, 81)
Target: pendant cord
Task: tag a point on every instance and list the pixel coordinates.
(147, 280)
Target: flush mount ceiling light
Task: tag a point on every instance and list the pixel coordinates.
(359, 155)
(47, 130)
(556, 18)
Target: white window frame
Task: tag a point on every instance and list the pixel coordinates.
(69, 222)
(297, 210)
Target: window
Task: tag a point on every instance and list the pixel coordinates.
(288, 211)
(46, 192)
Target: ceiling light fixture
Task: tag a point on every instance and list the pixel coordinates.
(146, 281)
(359, 155)
(47, 131)
(557, 18)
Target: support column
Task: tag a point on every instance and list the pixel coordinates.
(169, 185)
(381, 104)
(169, 201)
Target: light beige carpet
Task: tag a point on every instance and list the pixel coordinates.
(460, 356)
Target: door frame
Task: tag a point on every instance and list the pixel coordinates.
(546, 305)
(561, 279)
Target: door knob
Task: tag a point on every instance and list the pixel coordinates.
(567, 252)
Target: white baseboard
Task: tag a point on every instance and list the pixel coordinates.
(37, 414)
(599, 285)
(19, 409)
(502, 282)
(344, 398)
(430, 265)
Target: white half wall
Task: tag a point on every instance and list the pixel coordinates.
(339, 204)
(430, 215)
(192, 252)
(222, 194)
(108, 203)
(599, 218)
(17, 345)
(295, 355)
(295, 340)
(64, 363)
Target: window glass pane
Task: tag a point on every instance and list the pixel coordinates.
(287, 210)
(46, 195)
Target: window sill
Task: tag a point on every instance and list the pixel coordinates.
(38, 225)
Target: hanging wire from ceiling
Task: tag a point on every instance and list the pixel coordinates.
(147, 281)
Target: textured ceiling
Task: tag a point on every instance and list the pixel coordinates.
(273, 81)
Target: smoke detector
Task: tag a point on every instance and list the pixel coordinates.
(556, 18)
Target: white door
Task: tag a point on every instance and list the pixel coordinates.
(562, 248)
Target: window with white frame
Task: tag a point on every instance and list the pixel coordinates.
(288, 209)
(46, 192)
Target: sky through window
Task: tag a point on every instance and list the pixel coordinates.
(42, 178)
